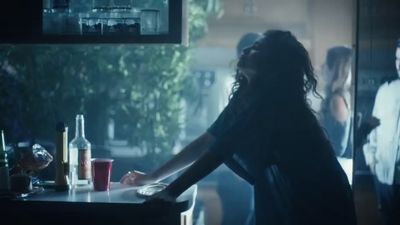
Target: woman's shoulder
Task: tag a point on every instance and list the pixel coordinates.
(338, 101)
(333, 97)
(338, 98)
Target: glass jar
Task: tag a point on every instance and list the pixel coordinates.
(149, 21)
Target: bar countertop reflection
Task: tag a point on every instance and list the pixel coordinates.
(119, 193)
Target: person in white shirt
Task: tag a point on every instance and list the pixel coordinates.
(382, 151)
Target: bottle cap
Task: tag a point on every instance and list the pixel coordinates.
(60, 127)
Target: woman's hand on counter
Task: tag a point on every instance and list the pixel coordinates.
(136, 178)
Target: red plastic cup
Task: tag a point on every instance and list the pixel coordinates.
(101, 173)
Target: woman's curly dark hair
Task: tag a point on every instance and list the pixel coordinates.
(283, 68)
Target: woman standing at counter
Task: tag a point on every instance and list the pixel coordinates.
(268, 135)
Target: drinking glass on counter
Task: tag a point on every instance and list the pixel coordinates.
(101, 173)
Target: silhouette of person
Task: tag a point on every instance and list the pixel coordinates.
(335, 113)
(274, 138)
(382, 150)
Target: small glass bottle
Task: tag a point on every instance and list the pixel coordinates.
(79, 156)
(4, 174)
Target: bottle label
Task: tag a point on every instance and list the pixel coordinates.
(84, 167)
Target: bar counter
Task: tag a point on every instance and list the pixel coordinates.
(120, 205)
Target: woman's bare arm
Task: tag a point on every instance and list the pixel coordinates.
(223, 149)
(184, 158)
(207, 162)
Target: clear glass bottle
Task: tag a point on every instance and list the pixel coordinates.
(79, 155)
(4, 175)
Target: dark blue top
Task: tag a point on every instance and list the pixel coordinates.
(286, 156)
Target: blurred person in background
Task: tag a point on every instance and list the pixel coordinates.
(382, 150)
(335, 114)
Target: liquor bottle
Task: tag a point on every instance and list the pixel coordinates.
(61, 163)
(4, 174)
(79, 155)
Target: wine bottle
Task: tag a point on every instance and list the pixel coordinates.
(79, 155)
